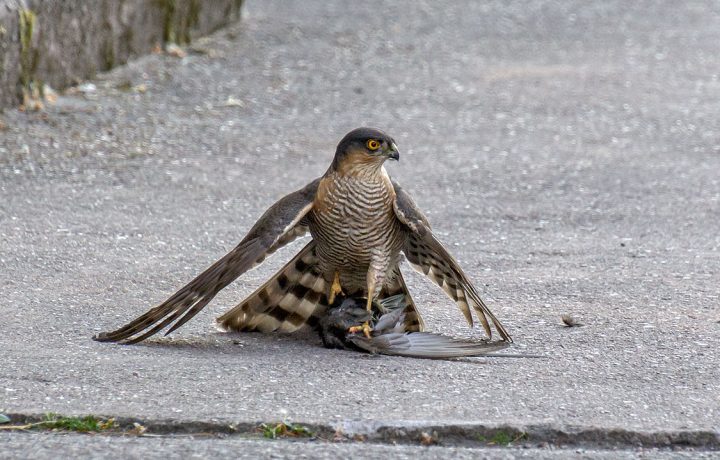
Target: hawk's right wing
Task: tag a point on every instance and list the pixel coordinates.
(280, 224)
(427, 255)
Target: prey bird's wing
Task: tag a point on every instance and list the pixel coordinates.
(282, 222)
(427, 255)
(424, 345)
(389, 335)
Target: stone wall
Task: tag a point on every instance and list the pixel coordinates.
(61, 42)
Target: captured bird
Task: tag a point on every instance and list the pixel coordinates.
(389, 336)
(360, 222)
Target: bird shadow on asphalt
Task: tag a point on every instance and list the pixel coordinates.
(299, 343)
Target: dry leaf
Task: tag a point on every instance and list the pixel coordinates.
(171, 49)
(138, 429)
(427, 439)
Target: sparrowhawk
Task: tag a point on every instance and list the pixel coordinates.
(360, 222)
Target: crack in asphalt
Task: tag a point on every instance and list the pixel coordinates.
(423, 433)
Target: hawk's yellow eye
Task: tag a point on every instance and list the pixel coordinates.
(372, 144)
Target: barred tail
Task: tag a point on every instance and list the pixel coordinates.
(293, 297)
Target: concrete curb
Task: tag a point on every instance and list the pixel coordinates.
(430, 433)
(61, 42)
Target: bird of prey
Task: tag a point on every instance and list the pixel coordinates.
(389, 336)
(360, 222)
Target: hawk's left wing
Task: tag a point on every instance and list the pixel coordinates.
(282, 222)
(427, 255)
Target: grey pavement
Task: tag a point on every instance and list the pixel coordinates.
(567, 153)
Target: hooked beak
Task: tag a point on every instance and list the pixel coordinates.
(393, 153)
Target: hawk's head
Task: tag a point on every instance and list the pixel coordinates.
(365, 148)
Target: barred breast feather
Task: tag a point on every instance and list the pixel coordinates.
(354, 226)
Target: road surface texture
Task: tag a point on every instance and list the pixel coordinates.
(567, 153)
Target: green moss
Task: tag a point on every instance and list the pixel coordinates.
(108, 55)
(168, 7)
(178, 22)
(191, 19)
(51, 421)
(285, 430)
(28, 55)
(107, 49)
(79, 424)
(501, 438)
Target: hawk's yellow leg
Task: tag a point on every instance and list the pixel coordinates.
(335, 289)
(365, 327)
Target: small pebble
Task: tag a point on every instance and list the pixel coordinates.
(570, 321)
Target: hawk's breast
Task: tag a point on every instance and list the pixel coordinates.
(354, 224)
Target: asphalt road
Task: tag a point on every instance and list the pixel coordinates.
(567, 153)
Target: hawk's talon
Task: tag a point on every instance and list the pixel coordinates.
(335, 289)
(379, 307)
(365, 328)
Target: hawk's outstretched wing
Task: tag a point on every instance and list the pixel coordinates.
(280, 224)
(427, 255)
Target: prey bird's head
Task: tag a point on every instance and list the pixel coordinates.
(364, 149)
